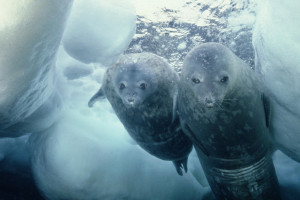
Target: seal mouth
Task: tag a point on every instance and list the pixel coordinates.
(209, 105)
(130, 102)
(209, 102)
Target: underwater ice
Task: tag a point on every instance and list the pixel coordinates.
(99, 30)
(277, 45)
(29, 100)
(89, 155)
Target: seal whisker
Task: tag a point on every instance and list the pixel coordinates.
(220, 106)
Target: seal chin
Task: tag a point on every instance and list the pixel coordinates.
(130, 103)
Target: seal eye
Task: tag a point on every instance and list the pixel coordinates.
(224, 79)
(196, 80)
(143, 86)
(121, 86)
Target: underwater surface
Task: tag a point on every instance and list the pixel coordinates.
(53, 56)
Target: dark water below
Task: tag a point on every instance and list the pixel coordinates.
(18, 186)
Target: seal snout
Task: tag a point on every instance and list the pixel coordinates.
(209, 104)
(130, 100)
(209, 101)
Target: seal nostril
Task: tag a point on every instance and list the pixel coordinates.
(208, 100)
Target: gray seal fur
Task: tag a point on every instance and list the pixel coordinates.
(224, 112)
(142, 90)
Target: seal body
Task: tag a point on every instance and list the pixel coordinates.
(142, 90)
(224, 112)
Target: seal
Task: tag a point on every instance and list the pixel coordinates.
(224, 112)
(142, 90)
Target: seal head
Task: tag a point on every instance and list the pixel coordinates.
(133, 85)
(208, 74)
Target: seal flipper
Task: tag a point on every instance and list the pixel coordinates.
(181, 165)
(267, 108)
(99, 95)
(188, 131)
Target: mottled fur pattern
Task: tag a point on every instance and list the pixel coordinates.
(222, 111)
(150, 123)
